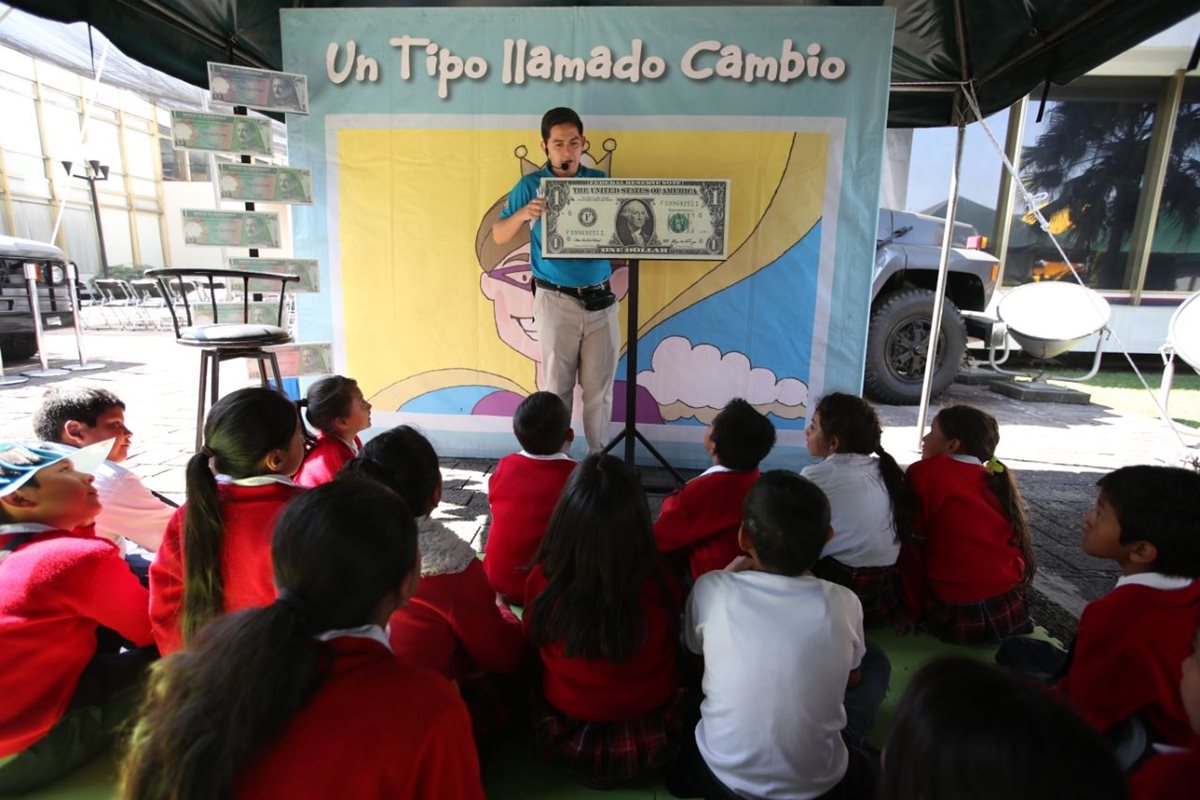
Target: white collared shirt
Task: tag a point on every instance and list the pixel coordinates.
(369, 631)
(13, 528)
(864, 530)
(256, 480)
(1155, 580)
(551, 457)
(967, 459)
(353, 445)
(714, 469)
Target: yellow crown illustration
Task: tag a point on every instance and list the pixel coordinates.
(604, 162)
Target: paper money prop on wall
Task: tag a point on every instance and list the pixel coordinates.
(221, 133)
(230, 228)
(260, 89)
(297, 360)
(306, 269)
(412, 162)
(287, 185)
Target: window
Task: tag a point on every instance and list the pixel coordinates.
(1174, 263)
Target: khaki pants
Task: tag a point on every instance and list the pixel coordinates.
(582, 344)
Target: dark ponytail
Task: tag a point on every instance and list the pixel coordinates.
(856, 425)
(978, 435)
(327, 400)
(241, 429)
(338, 550)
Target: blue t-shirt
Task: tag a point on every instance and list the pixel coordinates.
(560, 271)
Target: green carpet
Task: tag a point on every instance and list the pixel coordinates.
(512, 773)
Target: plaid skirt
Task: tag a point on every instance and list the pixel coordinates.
(877, 587)
(602, 755)
(987, 621)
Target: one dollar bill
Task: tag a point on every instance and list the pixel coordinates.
(658, 219)
(306, 269)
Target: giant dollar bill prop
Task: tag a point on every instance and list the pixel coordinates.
(647, 218)
(263, 89)
(221, 133)
(230, 228)
(271, 184)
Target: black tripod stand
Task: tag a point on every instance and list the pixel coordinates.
(630, 433)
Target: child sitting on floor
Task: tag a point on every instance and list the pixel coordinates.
(61, 698)
(1129, 646)
(453, 624)
(967, 730)
(603, 612)
(966, 572)
(868, 498)
(793, 724)
(701, 520)
(335, 406)
(524, 489)
(78, 417)
(1176, 774)
(216, 553)
(303, 698)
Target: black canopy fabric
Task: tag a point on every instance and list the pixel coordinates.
(1005, 48)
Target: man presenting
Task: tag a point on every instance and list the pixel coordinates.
(574, 308)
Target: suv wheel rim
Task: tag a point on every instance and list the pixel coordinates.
(908, 348)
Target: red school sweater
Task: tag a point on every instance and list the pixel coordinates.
(966, 553)
(54, 590)
(247, 575)
(376, 727)
(452, 624)
(1127, 658)
(1171, 776)
(324, 460)
(522, 492)
(703, 518)
(595, 690)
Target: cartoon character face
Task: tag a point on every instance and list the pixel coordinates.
(510, 287)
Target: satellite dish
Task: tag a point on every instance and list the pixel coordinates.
(1184, 331)
(1049, 318)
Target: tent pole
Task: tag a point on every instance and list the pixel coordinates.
(939, 294)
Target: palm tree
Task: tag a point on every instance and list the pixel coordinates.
(1091, 158)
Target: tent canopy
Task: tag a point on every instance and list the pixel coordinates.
(1004, 47)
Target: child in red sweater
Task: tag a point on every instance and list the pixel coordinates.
(523, 491)
(303, 698)
(603, 612)
(61, 698)
(966, 572)
(453, 624)
(216, 553)
(1124, 670)
(335, 406)
(1177, 773)
(701, 520)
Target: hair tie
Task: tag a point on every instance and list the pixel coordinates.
(292, 600)
(993, 466)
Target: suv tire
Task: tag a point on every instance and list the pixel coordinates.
(18, 346)
(898, 341)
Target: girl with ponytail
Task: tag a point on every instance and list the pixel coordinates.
(869, 500)
(335, 406)
(216, 553)
(303, 697)
(966, 573)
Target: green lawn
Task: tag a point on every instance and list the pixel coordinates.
(1122, 391)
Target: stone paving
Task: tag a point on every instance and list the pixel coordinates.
(1057, 451)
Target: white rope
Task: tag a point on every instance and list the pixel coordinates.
(1093, 297)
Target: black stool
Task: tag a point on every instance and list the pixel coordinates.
(222, 341)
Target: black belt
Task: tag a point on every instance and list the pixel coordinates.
(574, 291)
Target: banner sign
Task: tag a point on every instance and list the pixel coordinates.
(423, 119)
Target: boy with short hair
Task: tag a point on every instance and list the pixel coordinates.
(524, 489)
(60, 698)
(1130, 643)
(701, 520)
(81, 416)
(804, 637)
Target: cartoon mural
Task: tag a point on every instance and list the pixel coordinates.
(435, 319)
